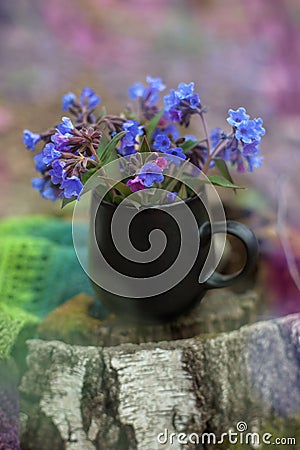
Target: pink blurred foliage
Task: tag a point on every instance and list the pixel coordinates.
(280, 290)
(277, 23)
(264, 35)
(6, 120)
(100, 32)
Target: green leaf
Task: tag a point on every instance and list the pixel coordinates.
(171, 185)
(174, 180)
(66, 201)
(144, 147)
(223, 169)
(121, 187)
(104, 141)
(117, 199)
(220, 181)
(111, 145)
(182, 193)
(85, 176)
(189, 145)
(113, 154)
(102, 114)
(152, 125)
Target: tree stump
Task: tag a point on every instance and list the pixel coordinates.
(218, 311)
(135, 395)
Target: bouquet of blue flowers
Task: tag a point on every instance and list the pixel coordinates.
(79, 147)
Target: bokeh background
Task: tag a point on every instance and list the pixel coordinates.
(238, 54)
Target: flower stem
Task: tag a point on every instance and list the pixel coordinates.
(205, 130)
(211, 156)
(94, 153)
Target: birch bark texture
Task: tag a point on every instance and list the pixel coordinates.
(123, 397)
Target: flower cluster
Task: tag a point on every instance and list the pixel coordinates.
(81, 145)
(247, 136)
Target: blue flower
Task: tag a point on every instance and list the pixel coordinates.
(237, 160)
(57, 172)
(40, 166)
(150, 93)
(171, 196)
(126, 150)
(72, 187)
(150, 173)
(185, 90)
(45, 189)
(236, 117)
(133, 127)
(161, 143)
(155, 86)
(254, 161)
(258, 126)
(89, 98)
(194, 101)
(66, 126)
(174, 154)
(182, 103)
(155, 83)
(136, 91)
(250, 149)
(176, 115)
(172, 130)
(68, 101)
(50, 153)
(129, 140)
(246, 131)
(30, 139)
(172, 100)
(169, 130)
(216, 135)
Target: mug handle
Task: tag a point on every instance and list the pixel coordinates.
(242, 232)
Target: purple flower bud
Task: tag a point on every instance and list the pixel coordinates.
(136, 184)
(61, 141)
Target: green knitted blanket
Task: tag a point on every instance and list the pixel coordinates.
(39, 270)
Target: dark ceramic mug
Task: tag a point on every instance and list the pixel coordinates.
(187, 292)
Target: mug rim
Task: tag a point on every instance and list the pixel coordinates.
(164, 205)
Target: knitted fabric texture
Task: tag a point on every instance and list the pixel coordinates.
(39, 270)
(9, 406)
